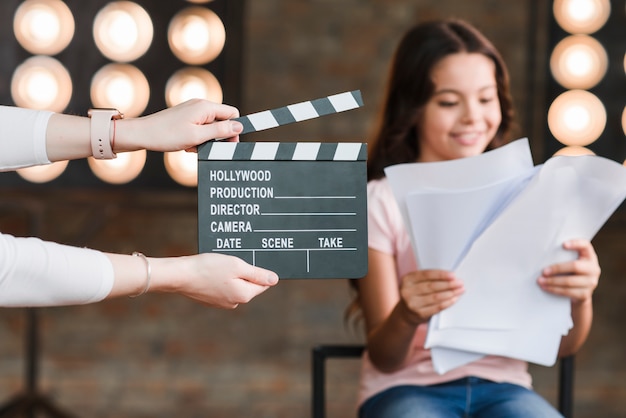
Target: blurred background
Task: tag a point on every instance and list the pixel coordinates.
(163, 356)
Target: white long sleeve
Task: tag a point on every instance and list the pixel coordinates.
(34, 272)
(38, 273)
(22, 137)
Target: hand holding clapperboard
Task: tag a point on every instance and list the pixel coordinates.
(297, 208)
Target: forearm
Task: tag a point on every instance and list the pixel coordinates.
(390, 343)
(582, 317)
(212, 279)
(68, 137)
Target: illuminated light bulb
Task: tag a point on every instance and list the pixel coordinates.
(574, 151)
(581, 16)
(576, 117)
(43, 26)
(41, 83)
(192, 82)
(123, 169)
(182, 166)
(43, 173)
(579, 62)
(123, 31)
(196, 35)
(120, 86)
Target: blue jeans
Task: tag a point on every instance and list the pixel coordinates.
(470, 397)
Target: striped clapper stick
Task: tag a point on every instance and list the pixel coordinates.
(301, 111)
(296, 208)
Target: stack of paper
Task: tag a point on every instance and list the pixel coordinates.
(497, 220)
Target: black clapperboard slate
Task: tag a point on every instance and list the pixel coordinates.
(296, 208)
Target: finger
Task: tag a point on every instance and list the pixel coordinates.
(258, 275)
(574, 293)
(583, 247)
(222, 129)
(432, 281)
(427, 307)
(569, 281)
(582, 267)
(225, 112)
(441, 288)
(437, 274)
(429, 275)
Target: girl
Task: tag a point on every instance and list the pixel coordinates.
(447, 98)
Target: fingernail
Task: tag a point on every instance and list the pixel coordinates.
(236, 126)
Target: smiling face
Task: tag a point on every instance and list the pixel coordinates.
(463, 114)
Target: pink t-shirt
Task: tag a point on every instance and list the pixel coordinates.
(387, 234)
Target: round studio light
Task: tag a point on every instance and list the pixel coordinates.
(123, 31)
(43, 26)
(578, 62)
(182, 167)
(120, 86)
(581, 16)
(123, 169)
(192, 82)
(43, 83)
(196, 35)
(43, 173)
(574, 151)
(576, 117)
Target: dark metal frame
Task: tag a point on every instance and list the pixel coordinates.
(321, 353)
(30, 401)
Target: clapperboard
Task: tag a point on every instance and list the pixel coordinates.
(296, 208)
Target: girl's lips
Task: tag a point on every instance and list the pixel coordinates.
(467, 138)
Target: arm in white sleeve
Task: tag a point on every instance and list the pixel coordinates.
(22, 137)
(39, 273)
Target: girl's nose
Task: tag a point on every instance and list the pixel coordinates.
(471, 112)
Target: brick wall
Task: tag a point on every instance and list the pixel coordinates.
(164, 356)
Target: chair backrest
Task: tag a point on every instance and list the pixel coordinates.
(321, 353)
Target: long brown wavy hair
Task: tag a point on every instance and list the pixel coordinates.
(409, 87)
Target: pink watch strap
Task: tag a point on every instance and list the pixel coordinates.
(101, 148)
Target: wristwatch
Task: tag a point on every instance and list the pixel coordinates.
(101, 138)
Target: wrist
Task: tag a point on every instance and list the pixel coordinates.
(582, 303)
(407, 316)
(166, 273)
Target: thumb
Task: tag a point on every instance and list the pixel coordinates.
(260, 276)
(221, 130)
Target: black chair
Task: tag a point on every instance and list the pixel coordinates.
(323, 352)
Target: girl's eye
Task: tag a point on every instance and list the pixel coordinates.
(446, 103)
(487, 99)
